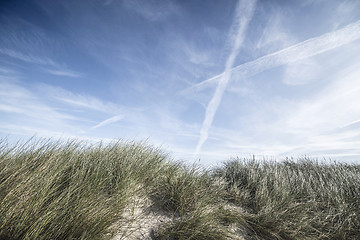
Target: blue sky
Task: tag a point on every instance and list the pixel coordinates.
(204, 80)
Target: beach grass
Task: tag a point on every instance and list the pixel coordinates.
(76, 190)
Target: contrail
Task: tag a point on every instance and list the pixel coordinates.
(243, 15)
(302, 50)
(109, 121)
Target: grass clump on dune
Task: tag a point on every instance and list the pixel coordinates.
(296, 200)
(193, 198)
(56, 190)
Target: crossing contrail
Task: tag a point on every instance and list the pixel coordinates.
(243, 15)
(299, 51)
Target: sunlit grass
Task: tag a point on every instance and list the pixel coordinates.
(73, 190)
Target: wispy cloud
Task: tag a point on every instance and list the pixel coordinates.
(243, 15)
(294, 53)
(28, 131)
(346, 11)
(108, 2)
(195, 55)
(336, 102)
(301, 72)
(274, 35)
(28, 112)
(65, 73)
(58, 69)
(17, 99)
(25, 109)
(323, 123)
(80, 100)
(108, 121)
(153, 10)
(6, 71)
(27, 42)
(27, 57)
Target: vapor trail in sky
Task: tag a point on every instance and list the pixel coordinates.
(302, 50)
(243, 15)
(108, 121)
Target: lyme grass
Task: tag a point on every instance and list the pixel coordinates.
(54, 190)
(296, 200)
(198, 225)
(182, 189)
(74, 190)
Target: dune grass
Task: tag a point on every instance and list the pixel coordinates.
(55, 190)
(73, 190)
(296, 200)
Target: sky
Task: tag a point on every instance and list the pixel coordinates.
(204, 80)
